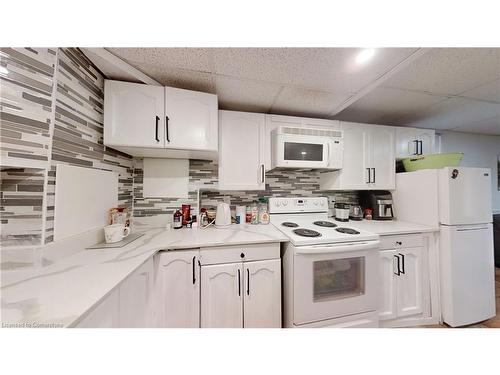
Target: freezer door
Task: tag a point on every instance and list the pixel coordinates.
(467, 274)
(465, 196)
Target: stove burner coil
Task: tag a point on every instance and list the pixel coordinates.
(289, 224)
(347, 230)
(306, 232)
(323, 223)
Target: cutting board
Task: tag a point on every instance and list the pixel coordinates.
(83, 197)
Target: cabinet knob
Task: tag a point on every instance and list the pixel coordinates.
(242, 255)
(399, 243)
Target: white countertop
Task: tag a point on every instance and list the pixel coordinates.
(63, 291)
(390, 227)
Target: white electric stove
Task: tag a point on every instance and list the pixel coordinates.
(330, 269)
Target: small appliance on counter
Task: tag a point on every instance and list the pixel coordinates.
(342, 212)
(380, 202)
(355, 212)
(223, 216)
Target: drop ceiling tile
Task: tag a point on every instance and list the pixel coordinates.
(323, 69)
(153, 60)
(387, 106)
(187, 79)
(487, 126)
(245, 95)
(453, 113)
(304, 102)
(449, 71)
(488, 92)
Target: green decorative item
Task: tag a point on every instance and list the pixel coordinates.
(432, 161)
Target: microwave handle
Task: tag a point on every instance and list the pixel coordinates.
(328, 154)
(329, 249)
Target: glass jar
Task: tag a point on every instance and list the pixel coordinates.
(263, 211)
(255, 214)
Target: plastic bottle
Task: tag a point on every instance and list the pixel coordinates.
(263, 211)
(255, 214)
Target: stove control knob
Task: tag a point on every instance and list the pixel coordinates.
(277, 203)
(285, 203)
(315, 203)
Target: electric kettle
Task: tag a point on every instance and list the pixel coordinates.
(223, 216)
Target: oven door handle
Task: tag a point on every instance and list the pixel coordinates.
(330, 249)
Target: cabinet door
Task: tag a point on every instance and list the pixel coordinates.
(410, 282)
(354, 174)
(388, 279)
(192, 119)
(134, 115)
(177, 289)
(383, 161)
(104, 315)
(241, 151)
(406, 144)
(427, 137)
(262, 290)
(222, 296)
(136, 297)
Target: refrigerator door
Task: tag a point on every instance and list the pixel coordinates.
(465, 196)
(467, 274)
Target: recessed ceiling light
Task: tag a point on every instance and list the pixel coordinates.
(365, 55)
(3, 70)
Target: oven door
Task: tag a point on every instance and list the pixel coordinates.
(298, 151)
(332, 281)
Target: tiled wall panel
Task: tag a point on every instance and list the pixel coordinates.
(75, 138)
(26, 83)
(203, 176)
(21, 193)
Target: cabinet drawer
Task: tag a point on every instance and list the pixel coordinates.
(401, 241)
(239, 253)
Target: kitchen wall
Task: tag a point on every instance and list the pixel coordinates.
(203, 177)
(479, 151)
(51, 112)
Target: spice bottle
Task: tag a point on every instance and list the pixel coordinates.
(177, 222)
(263, 211)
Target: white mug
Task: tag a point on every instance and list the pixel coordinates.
(115, 233)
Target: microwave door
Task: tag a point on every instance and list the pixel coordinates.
(305, 154)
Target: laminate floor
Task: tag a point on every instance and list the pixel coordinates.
(490, 323)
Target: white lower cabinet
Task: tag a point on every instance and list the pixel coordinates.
(404, 287)
(105, 315)
(262, 295)
(128, 306)
(136, 297)
(241, 287)
(222, 296)
(177, 289)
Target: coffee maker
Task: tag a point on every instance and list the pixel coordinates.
(380, 202)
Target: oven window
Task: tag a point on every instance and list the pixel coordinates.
(338, 278)
(303, 151)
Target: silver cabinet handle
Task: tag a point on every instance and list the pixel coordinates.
(239, 283)
(396, 257)
(369, 175)
(248, 282)
(373, 175)
(262, 177)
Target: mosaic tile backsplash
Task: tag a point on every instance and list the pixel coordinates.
(51, 112)
(203, 178)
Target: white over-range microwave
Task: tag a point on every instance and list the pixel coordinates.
(309, 148)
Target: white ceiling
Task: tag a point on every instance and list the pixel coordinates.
(442, 88)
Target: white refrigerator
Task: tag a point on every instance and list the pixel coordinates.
(458, 200)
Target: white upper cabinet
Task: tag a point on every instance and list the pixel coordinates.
(414, 141)
(155, 121)
(383, 174)
(368, 159)
(262, 294)
(241, 151)
(192, 120)
(177, 289)
(134, 115)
